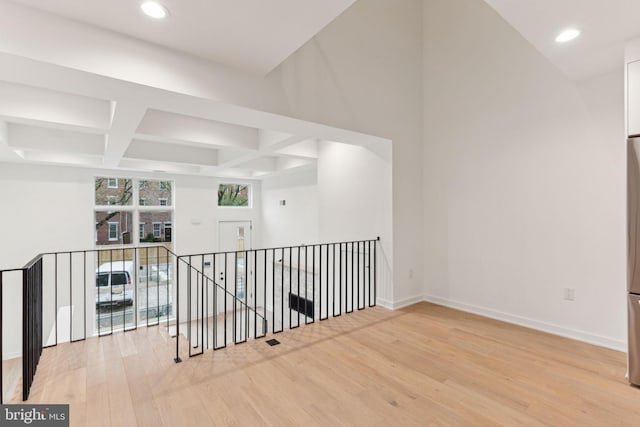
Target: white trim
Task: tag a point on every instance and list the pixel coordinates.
(397, 305)
(249, 194)
(153, 229)
(384, 303)
(117, 224)
(562, 331)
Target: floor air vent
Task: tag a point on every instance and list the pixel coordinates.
(273, 342)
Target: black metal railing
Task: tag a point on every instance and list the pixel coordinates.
(130, 287)
(230, 296)
(238, 295)
(31, 323)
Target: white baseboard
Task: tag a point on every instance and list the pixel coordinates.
(587, 337)
(385, 303)
(397, 305)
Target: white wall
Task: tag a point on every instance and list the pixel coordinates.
(524, 180)
(364, 72)
(354, 203)
(40, 213)
(50, 209)
(296, 222)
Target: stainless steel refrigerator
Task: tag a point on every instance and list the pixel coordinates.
(633, 241)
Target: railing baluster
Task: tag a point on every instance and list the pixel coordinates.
(264, 295)
(215, 305)
(70, 297)
(225, 299)
(158, 285)
(190, 301)
(273, 287)
(375, 272)
(290, 287)
(147, 269)
(340, 280)
(111, 287)
(55, 312)
(136, 278)
(255, 293)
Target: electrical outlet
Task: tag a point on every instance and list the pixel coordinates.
(569, 294)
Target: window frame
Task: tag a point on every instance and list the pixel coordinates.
(249, 195)
(153, 229)
(109, 183)
(109, 224)
(135, 209)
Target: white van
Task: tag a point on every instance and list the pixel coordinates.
(114, 282)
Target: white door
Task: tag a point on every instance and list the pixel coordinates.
(235, 236)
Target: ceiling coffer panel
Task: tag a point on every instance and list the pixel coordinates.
(157, 151)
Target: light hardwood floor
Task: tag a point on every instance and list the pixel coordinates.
(422, 366)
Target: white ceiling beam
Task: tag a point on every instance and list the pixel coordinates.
(269, 143)
(179, 127)
(160, 167)
(265, 164)
(274, 144)
(43, 139)
(148, 150)
(49, 106)
(126, 118)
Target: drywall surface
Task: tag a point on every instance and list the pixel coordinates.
(296, 221)
(364, 72)
(524, 180)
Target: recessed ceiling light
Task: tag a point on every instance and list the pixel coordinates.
(567, 35)
(154, 10)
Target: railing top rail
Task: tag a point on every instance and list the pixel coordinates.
(279, 248)
(10, 270)
(118, 248)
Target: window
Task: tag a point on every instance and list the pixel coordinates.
(113, 231)
(234, 195)
(156, 230)
(156, 193)
(128, 214)
(108, 192)
(143, 276)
